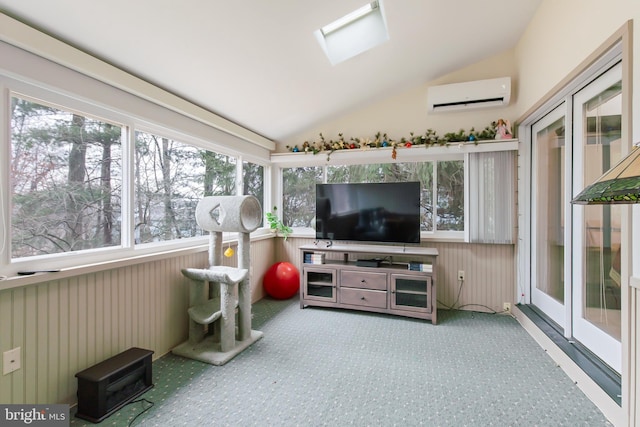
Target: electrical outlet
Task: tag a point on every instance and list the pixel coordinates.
(10, 361)
(506, 306)
(460, 274)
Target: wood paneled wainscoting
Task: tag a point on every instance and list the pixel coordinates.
(490, 277)
(65, 322)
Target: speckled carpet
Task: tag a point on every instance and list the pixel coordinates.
(329, 367)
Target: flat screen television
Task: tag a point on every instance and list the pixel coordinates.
(372, 212)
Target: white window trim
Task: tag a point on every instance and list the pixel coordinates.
(34, 77)
(454, 151)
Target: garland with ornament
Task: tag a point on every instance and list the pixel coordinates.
(499, 129)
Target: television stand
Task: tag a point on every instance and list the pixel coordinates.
(405, 285)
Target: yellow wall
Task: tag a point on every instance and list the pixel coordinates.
(560, 36)
(406, 112)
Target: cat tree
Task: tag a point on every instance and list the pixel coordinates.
(216, 292)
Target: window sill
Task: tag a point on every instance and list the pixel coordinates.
(18, 281)
(151, 253)
(309, 233)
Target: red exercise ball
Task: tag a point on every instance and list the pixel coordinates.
(282, 280)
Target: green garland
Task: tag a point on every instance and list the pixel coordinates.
(429, 139)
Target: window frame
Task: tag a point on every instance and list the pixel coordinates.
(382, 155)
(10, 86)
(452, 151)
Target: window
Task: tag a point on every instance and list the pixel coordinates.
(447, 215)
(66, 181)
(299, 195)
(450, 191)
(253, 182)
(115, 176)
(170, 179)
(349, 18)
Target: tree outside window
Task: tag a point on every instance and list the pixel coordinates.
(299, 195)
(447, 214)
(450, 205)
(253, 182)
(66, 185)
(67, 180)
(450, 187)
(170, 179)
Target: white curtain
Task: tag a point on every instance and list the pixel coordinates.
(492, 197)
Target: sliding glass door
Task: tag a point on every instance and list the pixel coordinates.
(575, 251)
(548, 203)
(596, 314)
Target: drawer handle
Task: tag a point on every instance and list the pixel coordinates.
(363, 281)
(362, 298)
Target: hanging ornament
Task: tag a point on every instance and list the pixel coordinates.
(229, 252)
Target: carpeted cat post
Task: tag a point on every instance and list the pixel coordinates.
(216, 292)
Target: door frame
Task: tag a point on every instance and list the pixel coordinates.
(561, 93)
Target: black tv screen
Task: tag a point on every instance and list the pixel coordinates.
(374, 212)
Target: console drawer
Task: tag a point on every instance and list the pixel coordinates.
(363, 297)
(364, 280)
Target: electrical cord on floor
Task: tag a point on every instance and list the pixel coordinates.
(145, 410)
(491, 310)
(456, 301)
(453, 306)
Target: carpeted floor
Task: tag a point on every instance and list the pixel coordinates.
(329, 367)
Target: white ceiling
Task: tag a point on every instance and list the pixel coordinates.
(257, 62)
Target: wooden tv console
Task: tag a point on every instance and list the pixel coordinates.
(370, 278)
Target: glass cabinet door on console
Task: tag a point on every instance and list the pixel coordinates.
(412, 293)
(320, 283)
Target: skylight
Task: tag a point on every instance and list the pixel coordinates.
(349, 18)
(354, 33)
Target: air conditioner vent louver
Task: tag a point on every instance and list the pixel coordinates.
(468, 95)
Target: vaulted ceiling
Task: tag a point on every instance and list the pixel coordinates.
(257, 62)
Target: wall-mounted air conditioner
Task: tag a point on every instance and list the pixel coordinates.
(467, 95)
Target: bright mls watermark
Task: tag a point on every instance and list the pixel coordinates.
(34, 415)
